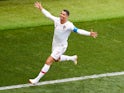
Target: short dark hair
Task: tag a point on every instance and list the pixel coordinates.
(67, 12)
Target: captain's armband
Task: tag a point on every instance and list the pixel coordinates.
(75, 29)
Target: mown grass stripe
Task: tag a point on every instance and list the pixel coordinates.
(64, 80)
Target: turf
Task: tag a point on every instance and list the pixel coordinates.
(18, 13)
(101, 85)
(24, 51)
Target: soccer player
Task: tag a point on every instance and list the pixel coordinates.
(62, 30)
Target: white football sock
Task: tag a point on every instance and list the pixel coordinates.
(43, 72)
(67, 58)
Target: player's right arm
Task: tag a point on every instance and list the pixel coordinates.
(45, 12)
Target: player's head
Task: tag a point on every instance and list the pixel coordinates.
(64, 14)
(67, 12)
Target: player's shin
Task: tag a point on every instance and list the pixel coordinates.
(41, 74)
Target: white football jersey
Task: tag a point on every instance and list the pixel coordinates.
(61, 31)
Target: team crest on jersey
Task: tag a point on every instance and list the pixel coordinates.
(64, 27)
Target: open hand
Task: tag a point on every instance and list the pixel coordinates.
(38, 5)
(93, 34)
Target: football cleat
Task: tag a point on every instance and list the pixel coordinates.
(75, 59)
(33, 81)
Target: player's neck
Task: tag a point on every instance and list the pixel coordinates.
(62, 21)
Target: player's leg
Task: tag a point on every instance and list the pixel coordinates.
(55, 55)
(43, 71)
(68, 58)
(59, 53)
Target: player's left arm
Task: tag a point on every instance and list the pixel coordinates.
(86, 33)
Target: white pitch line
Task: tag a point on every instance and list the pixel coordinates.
(64, 80)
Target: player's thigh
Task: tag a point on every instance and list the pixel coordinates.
(57, 52)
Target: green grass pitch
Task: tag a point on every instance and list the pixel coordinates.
(25, 50)
(18, 13)
(25, 43)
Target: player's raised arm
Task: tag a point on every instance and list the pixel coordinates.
(38, 5)
(45, 12)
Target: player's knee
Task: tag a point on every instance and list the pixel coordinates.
(49, 61)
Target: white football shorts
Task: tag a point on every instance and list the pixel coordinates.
(58, 51)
